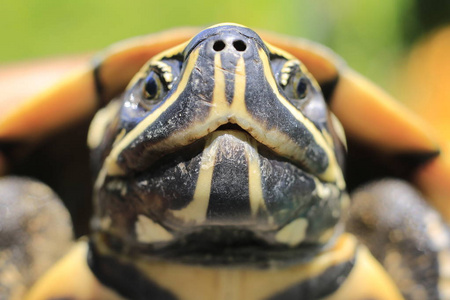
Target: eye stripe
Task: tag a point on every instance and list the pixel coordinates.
(333, 172)
(111, 161)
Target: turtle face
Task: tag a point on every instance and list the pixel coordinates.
(221, 138)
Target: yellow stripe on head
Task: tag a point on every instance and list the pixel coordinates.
(111, 161)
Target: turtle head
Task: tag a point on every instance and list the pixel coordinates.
(224, 142)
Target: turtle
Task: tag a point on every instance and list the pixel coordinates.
(221, 171)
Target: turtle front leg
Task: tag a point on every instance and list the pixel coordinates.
(35, 231)
(406, 235)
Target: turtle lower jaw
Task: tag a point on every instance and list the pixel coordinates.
(226, 179)
(226, 182)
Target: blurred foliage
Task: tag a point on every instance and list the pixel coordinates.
(371, 35)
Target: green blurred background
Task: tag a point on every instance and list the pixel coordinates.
(372, 35)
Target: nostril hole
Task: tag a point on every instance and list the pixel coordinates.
(239, 45)
(218, 46)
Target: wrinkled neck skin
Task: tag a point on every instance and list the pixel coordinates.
(221, 151)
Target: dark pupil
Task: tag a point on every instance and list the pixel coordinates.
(151, 87)
(301, 88)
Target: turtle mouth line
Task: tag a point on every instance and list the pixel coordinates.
(231, 126)
(149, 148)
(198, 147)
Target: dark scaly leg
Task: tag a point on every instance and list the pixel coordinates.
(35, 231)
(406, 235)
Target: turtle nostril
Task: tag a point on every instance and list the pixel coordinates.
(239, 45)
(219, 46)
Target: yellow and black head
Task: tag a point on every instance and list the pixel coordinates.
(222, 147)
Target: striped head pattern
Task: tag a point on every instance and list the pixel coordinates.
(223, 144)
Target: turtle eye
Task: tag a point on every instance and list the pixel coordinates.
(152, 91)
(152, 86)
(302, 88)
(299, 90)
